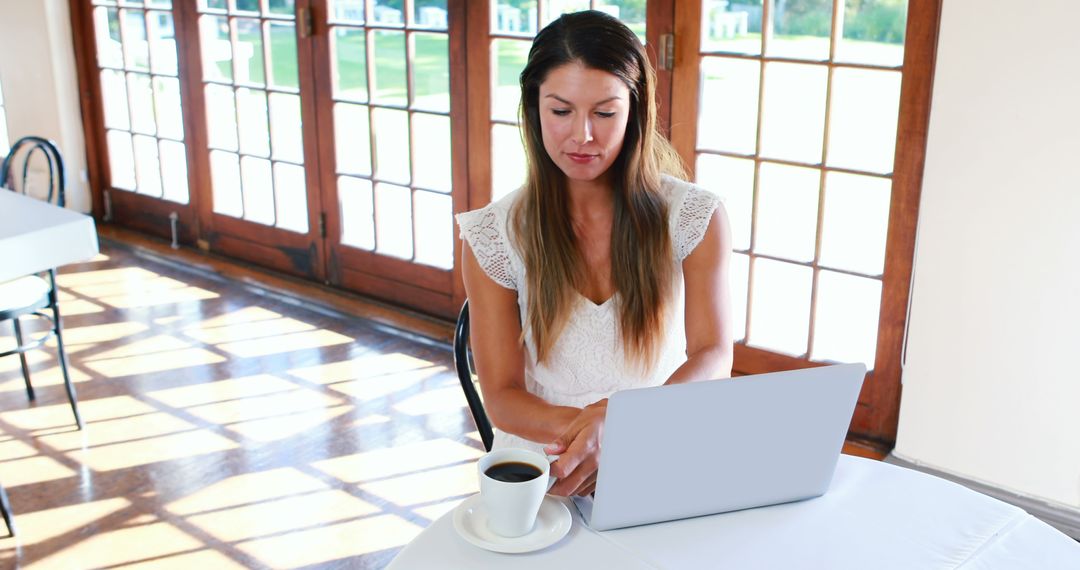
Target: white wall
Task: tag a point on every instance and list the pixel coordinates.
(41, 95)
(992, 384)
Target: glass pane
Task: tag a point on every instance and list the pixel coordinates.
(732, 26)
(136, 52)
(873, 33)
(393, 220)
(141, 101)
(391, 145)
(283, 8)
(221, 117)
(856, 222)
(162, 42)
(787, 211)
(740, 272)
(5, 141)
(793, 119)
(258, 190)
(508, 59)
(780, 315)
(352, 139)
(350, 64)
(631, 12)
(507, 161)
(291, 193)
(846, 318)
(251, 112)
(431, 72)
(246, 6)
(357, 212)
(865, 107)
(225, 177)
(431, 141)
(351, 11)
(248, 55)
(159, 3)
(801, 29)
(285, 127)
(121, 160)
(387, 12)
(389, 86)
(283, 60)
(170, 118)
(147, 168)
(114, 99)
(556, 8)
(434, 229)
(430, 14)
(732, 178)
(212, 5)
(727, 119)
(216, 48)
(107, 30)
(174, 171)
(514, 17)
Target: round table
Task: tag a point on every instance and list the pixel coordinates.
(875, 515)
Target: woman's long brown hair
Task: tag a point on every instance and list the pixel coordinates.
(642, 266)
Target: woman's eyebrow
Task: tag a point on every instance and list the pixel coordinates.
(612, 98)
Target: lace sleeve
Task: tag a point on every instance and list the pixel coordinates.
(694, 216)
(484, 230)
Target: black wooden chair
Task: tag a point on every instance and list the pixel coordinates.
(5, 510)
(35, 296)
(467, 377)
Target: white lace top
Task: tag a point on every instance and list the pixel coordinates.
(587, 362)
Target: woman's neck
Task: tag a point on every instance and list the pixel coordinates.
(589, 199)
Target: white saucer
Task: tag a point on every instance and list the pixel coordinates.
(552, 523)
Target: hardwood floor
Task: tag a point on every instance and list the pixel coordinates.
(228, 427)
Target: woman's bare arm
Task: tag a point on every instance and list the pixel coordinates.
(495, 333)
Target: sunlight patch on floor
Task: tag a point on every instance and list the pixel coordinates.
(222, 390)
(153, 450)
(333, 542)
(277, 428)
(371, 376)
(263, 519)
(447, 399)
(284, 343)
(381, 463)
(99, 550)
(247, 488)
(427, 486)
(246, 331)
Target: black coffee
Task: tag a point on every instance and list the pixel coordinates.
(513, 472)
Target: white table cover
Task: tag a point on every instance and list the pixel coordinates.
(875, 515)
(36, 235)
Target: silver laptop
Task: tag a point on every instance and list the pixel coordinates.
(702, 448)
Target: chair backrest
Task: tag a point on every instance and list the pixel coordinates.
(21, 154)
(463, 364)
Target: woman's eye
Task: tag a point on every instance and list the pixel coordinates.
(561, 112)
(606, 115)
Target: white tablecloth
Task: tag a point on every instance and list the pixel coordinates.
(875, 515)
(35, 236)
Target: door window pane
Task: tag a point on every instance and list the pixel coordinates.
(349, 48)
(391, 145)
(507, 160)
(216, 48)
(793, 117)
(258, 190)
(434, 229)
(631, 12)
(431, 140)
(393, 220)
(350, 11)
(865, 107)
(430, 14)
(254, 131)
(732, 178)
(285, 128)
(390, 85)
(780, 306)
(731, 26)
(282, 7)
(141, 102)
(121, 160)
(787, 211)
(873, 33)
(357, 212)
(856, 222)
(387, 12)
(846, 319)
(740, 278)
(147, 167)
(510, 17)
(162, 42)
(352, 139)
(225, 178)
(170, 118)
(221, 117)
(801, 30)
(248, 54)
(508, 59)
(174, 171)
(136, 50)
(110, 50)
(290, 190)
(556, 8)
(283, 60)
(727, 119)
(114, 99)
(431, 72)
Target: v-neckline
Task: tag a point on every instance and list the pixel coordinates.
(592, 303)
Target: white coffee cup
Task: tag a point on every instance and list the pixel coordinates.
(512, 506)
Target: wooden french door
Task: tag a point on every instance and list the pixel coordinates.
(810, 117)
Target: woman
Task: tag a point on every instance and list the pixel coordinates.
(577, 281)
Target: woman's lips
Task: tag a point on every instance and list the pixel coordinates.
(581, 158)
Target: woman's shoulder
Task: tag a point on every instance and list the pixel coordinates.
(691, 210)
(487, 232)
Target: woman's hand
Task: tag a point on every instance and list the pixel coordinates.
(578, 449)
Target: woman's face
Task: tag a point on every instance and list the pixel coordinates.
(583, 115)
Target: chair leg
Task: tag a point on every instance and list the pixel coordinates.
(5, 510)
(22, 359)
(67, 377)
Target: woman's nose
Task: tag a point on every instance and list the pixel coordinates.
(582, 131)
